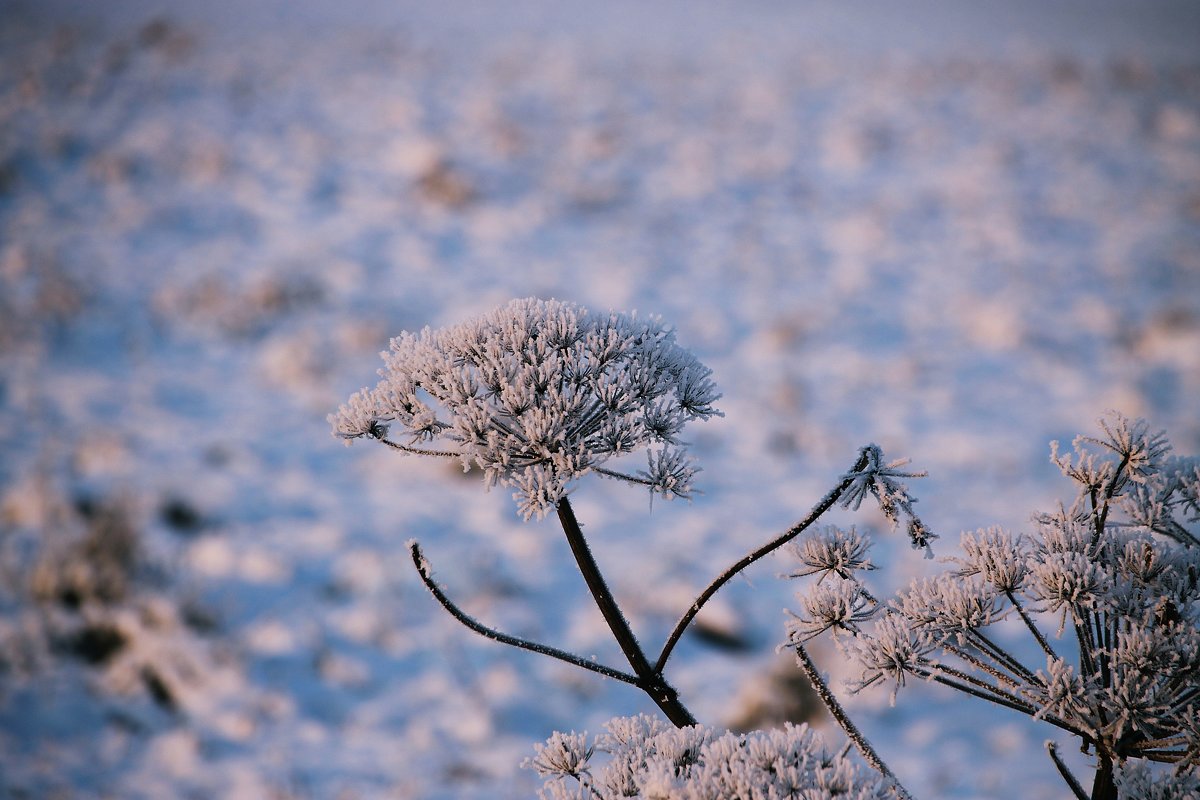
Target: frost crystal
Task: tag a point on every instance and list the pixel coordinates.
(881, 480)
(537, 394)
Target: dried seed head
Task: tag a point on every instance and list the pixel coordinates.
(537, 394)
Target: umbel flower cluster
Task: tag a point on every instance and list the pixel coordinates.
(1117, 577)
(537, 394)
(651, 760)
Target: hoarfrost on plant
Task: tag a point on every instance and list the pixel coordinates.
(538, 393)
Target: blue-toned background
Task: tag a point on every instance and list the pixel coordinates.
(958, 233)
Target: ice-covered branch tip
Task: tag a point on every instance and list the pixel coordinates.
(882, 481)
(537, 394)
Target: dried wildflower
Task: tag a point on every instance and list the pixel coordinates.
(537, 394)
(1068, 581)
(652, 762)
(832, 551)
(1121, 565)
(563, 755)
(948, 605)
(838, 605)
(1062, 692)
(893, 648)
(1136, 781)
(996, 556)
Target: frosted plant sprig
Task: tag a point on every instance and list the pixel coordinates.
(537, 394)
(1119, 567)
(832, 551)
(563, 755)
(881, 480)
(835, 605)
(540, 393)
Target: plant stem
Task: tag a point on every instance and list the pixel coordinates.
(820, 508)
(839, 714)
(649, 680)
(426, 572)
(1103, 786)
(1037, 634)
(1076, 789)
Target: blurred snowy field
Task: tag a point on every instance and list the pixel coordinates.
(957, 236)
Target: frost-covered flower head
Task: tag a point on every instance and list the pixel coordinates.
(832, 551)
(537, 394)
(649, 760)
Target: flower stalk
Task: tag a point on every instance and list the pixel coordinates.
(650, 680)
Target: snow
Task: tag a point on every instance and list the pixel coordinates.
(959, 232)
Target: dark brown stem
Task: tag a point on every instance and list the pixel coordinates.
(820, 508)
(649, 680)
(932, 673)
(1076, 789)
(426, 573)
(1103, 786)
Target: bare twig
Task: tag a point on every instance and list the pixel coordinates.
(1037, 634)
(425, 571)
(417, 450)
(1076, 789)
(820, 508)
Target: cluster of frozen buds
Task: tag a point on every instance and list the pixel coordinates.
(537, 394)
(651, 760)
(1118, 573)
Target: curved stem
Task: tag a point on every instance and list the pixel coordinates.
(820, 508)
(424, 569)
(649, 680)
(839, 714)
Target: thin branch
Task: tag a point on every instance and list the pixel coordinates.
(1001, 696)
(820, 508)
(1164, 756)
(1154, 744)
(981, 665)
(417, 450)
(930, 674)
(1037, 634)
(621, 476)
(1002, 656)
(839, 714)
(1076, 788)
(424, 570)
(1086, 662)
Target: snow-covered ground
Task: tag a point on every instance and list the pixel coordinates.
(960, 234)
